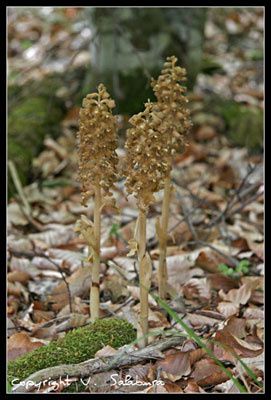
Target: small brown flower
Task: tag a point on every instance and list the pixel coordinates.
(172, 103)
(97, 143)
(156, 135)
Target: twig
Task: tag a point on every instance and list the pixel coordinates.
(96, 365)
(19, 188)
(24, 205)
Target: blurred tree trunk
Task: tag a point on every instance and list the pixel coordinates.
(131, 45)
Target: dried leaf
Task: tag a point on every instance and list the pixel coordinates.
(228, 309)
(18, 276)
(20, 343)
(79, 284)
(207, 372)
(116, 287)
(197, 288)
(86, 229)
(53, 238)
(175, 366)
(236, 326)
(241, 347)
(106, 352)
(133, 244)
(193, 387)
(237, 296)
(209, 260)
(197, 320)
(135, 293)
(220, 281)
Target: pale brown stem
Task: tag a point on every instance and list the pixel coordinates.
(95, 281)
(144, 305)
(162, 268)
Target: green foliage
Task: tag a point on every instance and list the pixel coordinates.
(243, 124)
(241, 269)
(30, 119)
(209, 66)
(77, 346)
(114, 231)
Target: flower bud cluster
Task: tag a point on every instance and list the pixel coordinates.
(97, 144)
(156, 135)
(172, 102)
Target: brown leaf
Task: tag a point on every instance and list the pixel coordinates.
(18, 276)
(209, 260)
(236, 326)
(197, 320)
(240, 243)
(196, 355)
(20, 343)
(172, 387)
(219, 281)
(39, 316)
(155, 389)
(237, 296)
(253, 313)
(135, 293)
(205, 132)
(175, 366)
(233, 343)
(207, 372)
(193, 387)
(257, 297)
(228, 309)
(197, 288)
(116, 288)
(257, 248)
(79, 284)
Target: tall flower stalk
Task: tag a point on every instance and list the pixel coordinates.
(171, 105)
(97, 173)
(146, 168)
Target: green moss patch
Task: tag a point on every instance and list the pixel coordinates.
(77, 346)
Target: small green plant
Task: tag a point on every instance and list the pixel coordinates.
(114, 231)
(241, 269)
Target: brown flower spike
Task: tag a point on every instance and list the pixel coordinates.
(147, 155)
(97, 172)
(172, 104)
(156, 135)
(98, 142)
(176, 123)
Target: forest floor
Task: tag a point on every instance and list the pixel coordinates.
(214, 259)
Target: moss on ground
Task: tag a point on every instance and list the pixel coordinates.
(31, 117)
(243, 123)
(77, 346)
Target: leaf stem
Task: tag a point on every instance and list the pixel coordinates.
(162, 268)
(144, 304)
(95, 281)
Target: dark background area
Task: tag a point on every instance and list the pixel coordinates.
(58, 55)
